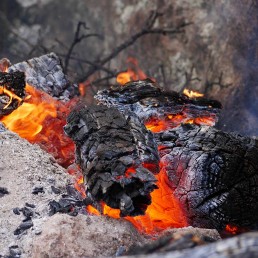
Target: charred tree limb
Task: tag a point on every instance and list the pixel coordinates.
(12, 91)
(46, 73)
(117, 155)
(214, 175)
(151, 104)
(245, 245)
(147, 29)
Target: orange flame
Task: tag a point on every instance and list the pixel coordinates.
(40, 119)
(11, 95)
(163, 212)
(172, 121)
(192, 94)
(232, 229)
(133, 73)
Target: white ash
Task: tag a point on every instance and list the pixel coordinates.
(23, 167)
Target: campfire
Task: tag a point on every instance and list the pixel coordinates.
(128, 129)
(141, 154)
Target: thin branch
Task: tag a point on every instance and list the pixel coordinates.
(147, 29)
(77, 39)
(103, 79)
(96, 65)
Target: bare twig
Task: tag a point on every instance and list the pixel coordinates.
(77, 39)
(96, 65)
(147, 29)
(219, 83)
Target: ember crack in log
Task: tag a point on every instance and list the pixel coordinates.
(115, 153)
(46, 73)
(12, 91)
(214, 174)
(159, 109)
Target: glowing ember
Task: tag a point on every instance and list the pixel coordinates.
(40, 119)
(192, 94)
(172, 121)
(163, 212)
(11, 95)
(232, 229)
(133, 73)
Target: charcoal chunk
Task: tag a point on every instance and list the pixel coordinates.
(37, 190)
(3, 191)
(23, 227)
(118, 157)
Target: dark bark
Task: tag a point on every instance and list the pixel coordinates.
(172, 242)
(46, 73)
(214, 174)
(115, 153)
(12, 91)
(149, 102)
(245, 245)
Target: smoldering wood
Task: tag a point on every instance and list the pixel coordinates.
(172, 242)
(148, 101)
(214, 175)
(12, 91)
(46, 73)
(115, 153)
(245, 245)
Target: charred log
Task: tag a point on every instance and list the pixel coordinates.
(116, 154)
(12, 91)
(214, 175)
(151, 103)
(244, 245)
(46, 73)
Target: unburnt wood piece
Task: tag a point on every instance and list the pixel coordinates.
(214, 174)
(116, 154)
(12, 91)
(46, 73)
(149, 102)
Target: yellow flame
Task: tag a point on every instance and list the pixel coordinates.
(192, 94)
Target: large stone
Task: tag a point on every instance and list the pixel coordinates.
(83, 236)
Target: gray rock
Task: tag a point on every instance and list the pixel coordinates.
(83, 236)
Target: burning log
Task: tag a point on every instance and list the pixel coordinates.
(159, 109)
(214, 175)
(46, 73)
(12, 91)
(117, 155)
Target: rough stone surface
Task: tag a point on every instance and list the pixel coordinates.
(200, 232)
(83, 236)
(23, 167)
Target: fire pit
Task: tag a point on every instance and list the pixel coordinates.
(136, 162)
(143, 154)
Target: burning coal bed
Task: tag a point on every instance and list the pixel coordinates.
(142, 155)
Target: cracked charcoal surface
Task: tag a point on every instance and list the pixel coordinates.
(14, 82)
(214, 175)
(107, 145)
(147, 100)
(46, 73)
